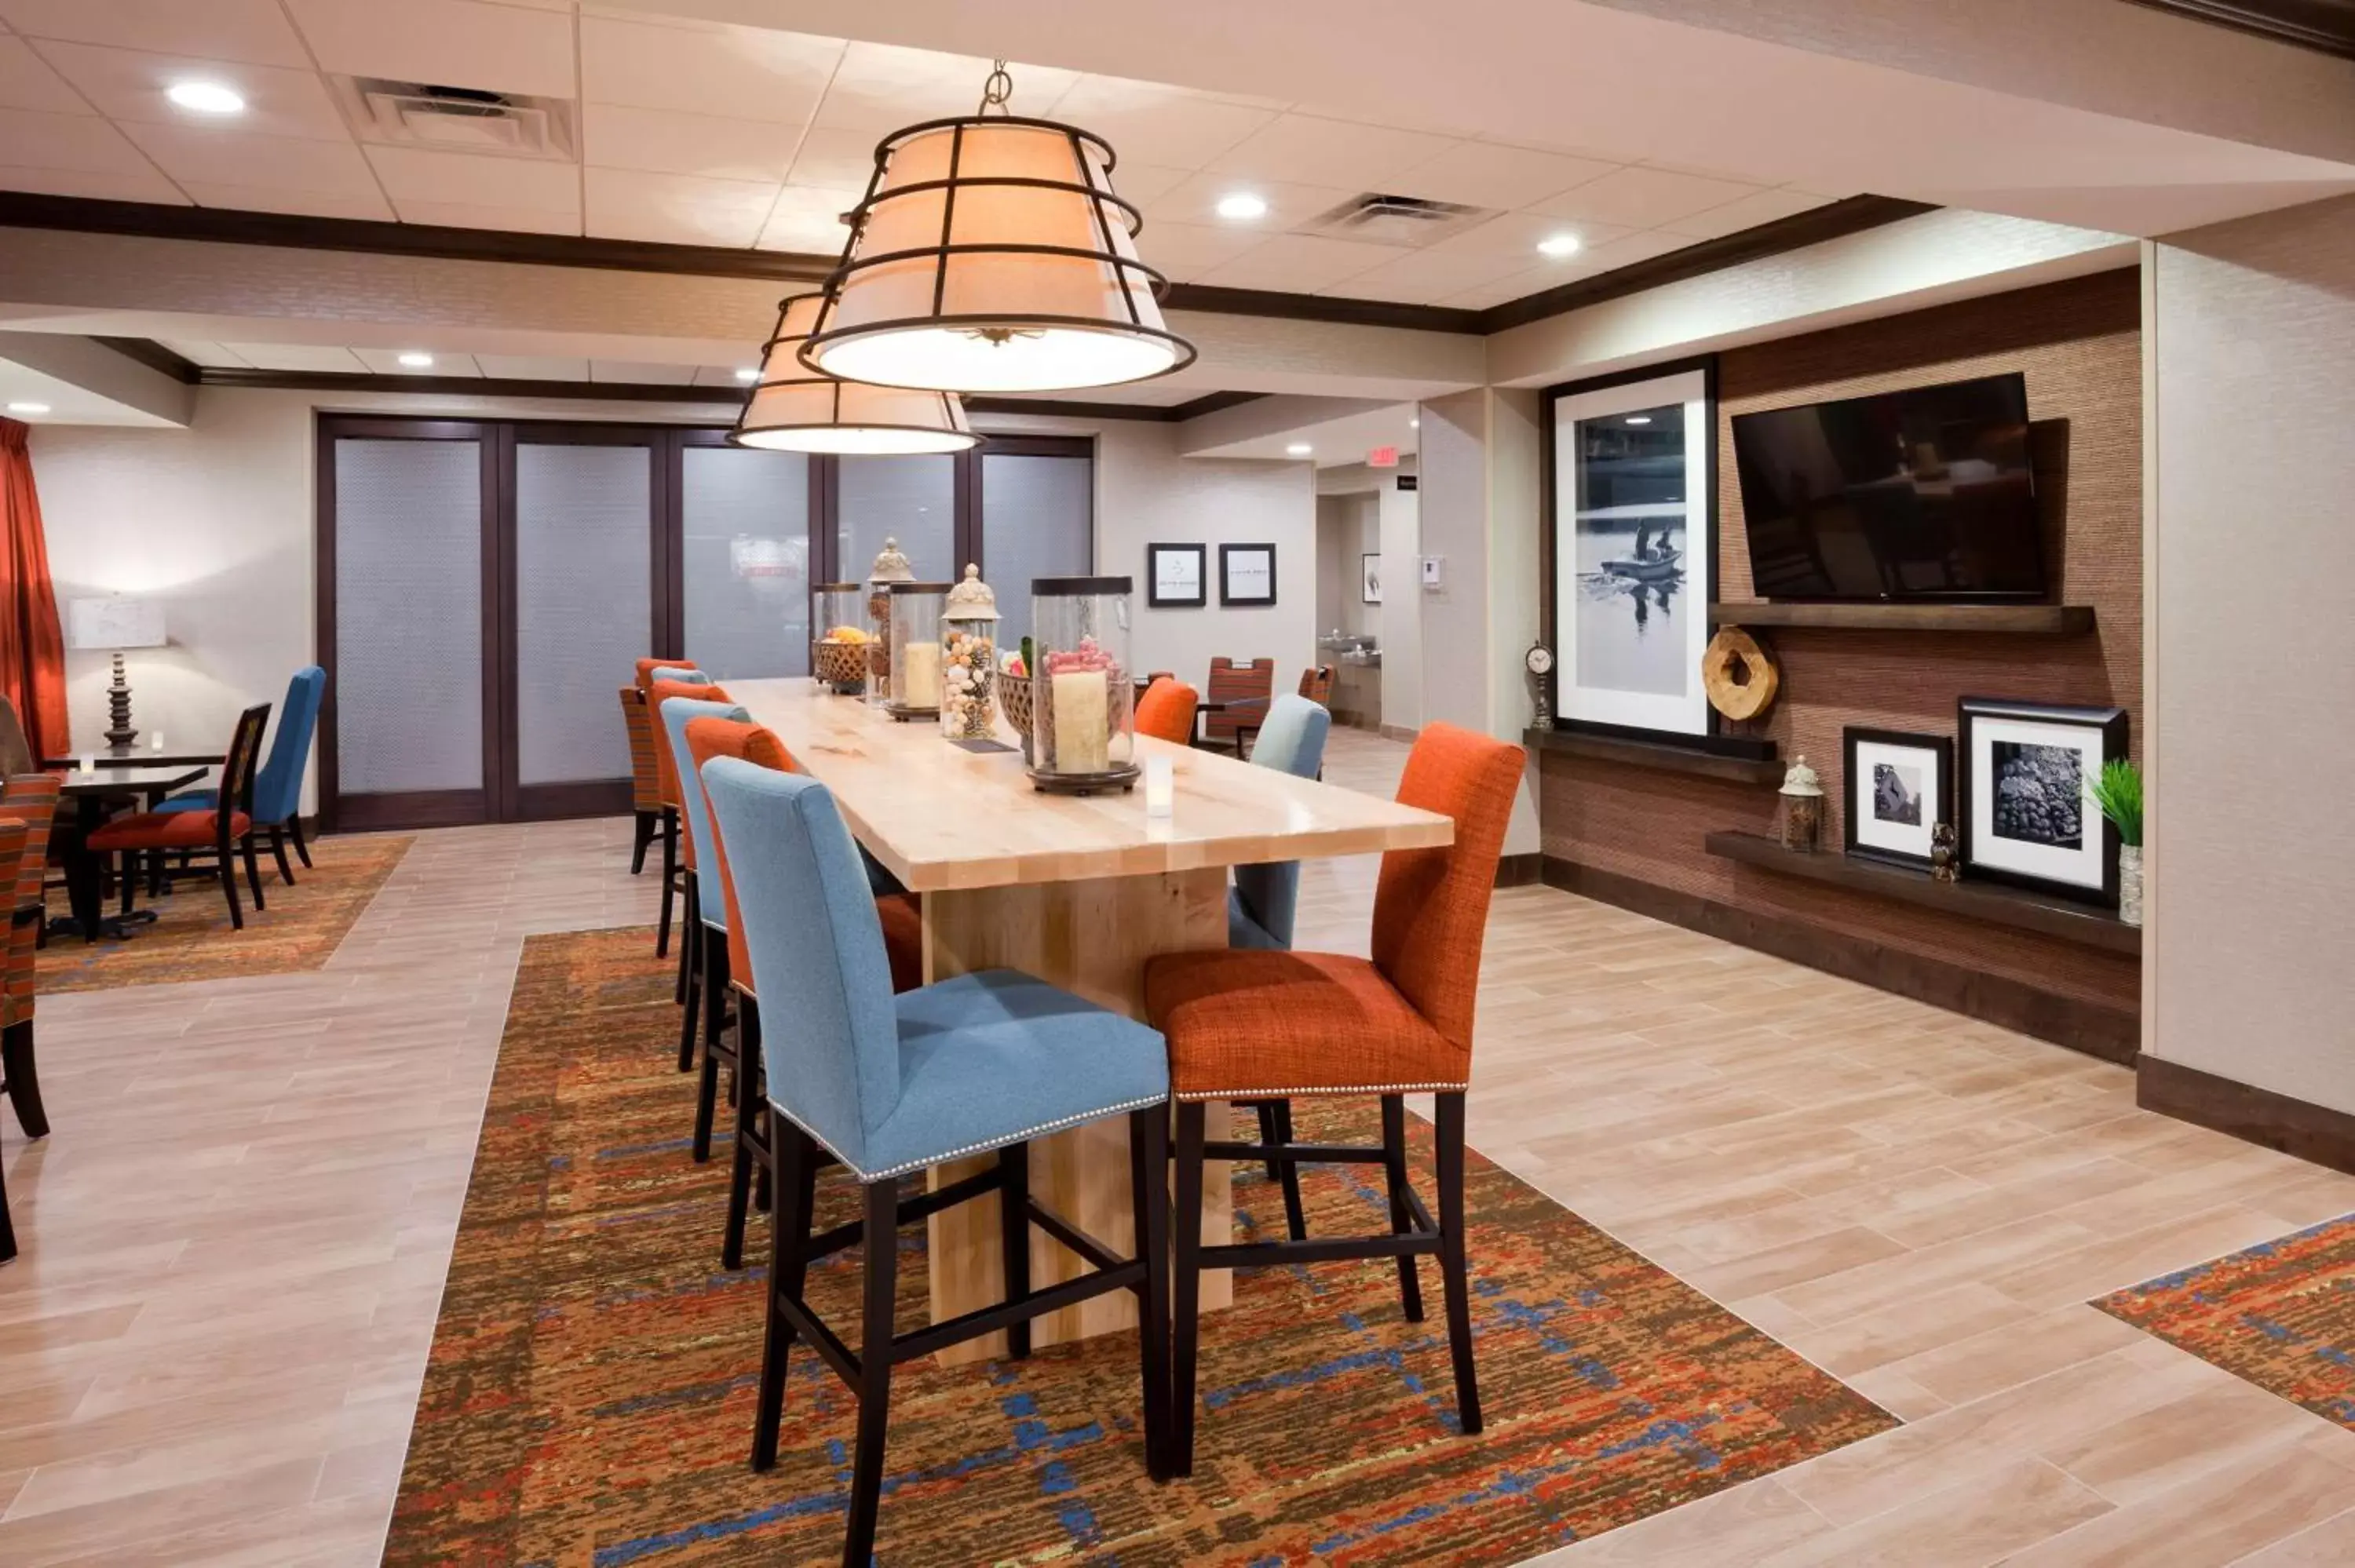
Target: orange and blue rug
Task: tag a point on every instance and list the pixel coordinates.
(2281, 1315)
(590, 1396)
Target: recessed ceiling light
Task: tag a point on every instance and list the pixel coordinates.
(750, 373)
(1558, 245)
(415, 361)
(1414, 424)
(1639, 418)
(1298, 448)
(1242, 207)
(29, 407)
(207, 96)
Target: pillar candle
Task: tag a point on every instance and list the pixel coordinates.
(1081, 743)
(920, 675)
(1160, 787)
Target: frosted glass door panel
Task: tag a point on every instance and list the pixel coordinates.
(584, 596)
(408, 616)
(912, 498)
(1038, 520)
(744, 515)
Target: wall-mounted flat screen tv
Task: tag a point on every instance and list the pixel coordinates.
(1925, 493)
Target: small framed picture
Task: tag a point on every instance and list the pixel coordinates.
(2026, 817)
(1900, 788)
(1175, 576)
(1247, 573)
(1369, 575)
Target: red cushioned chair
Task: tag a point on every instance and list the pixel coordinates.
(28, 804)
(678, 854)
(222, 830)
(729, 967)
(1261, 1025)
(1165, 712)
(1247, 688)
(646, 789)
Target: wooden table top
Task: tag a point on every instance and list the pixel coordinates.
(940, 817)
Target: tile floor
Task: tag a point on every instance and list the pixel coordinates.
(235, 1240)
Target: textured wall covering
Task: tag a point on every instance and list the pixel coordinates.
(2079, 344)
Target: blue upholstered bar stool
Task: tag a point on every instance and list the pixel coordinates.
(705, 927)
(889, 1085)
(1261, 905)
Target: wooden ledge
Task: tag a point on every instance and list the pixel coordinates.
(2013, 620)
(1668, 757)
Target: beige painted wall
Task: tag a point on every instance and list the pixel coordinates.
(2252, 553)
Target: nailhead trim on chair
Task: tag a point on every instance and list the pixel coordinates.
(1194, 1094)
(943, 1158)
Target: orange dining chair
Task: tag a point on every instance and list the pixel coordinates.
(1165, 712)
(28, 802)
(1249, 687)
(1317, 685)
(666, 794)
(732, 970)
(1263, 1024)
(646, 784)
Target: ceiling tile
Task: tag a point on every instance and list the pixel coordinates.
(1143, 183)
(213, 356)
(1517, 235)
(1298, 263)
(296, 356)
(1151, 124)
(834, 160)
(1520, 285)
(1196, 200)
(1642, 197)
(270, 163)
(723, 375)
(531, 367)
(1185, 250)
(660, 142)
(83, 144)
(255, 31)
(629, 203)
(743, 73)
(1747, 212)
(451, 43)
(129, 86)
(26, 82)
(476, 179)
(1483, 173)
(466, 214)
(387, 361)
(1635, 247)
(369, 204)
(1305, 149)
(1417, 277)
(808, 218)
(640, 374)
(142, 184)
(879, 88)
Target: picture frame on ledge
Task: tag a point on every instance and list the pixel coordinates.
(1370, 580)
(2025, 819)
(1177, 577)
(1898, 787)
(1246, 575)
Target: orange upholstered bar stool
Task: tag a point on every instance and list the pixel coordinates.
(1258, 1024)
(730, 968)
(646, 785)
(1165, 712)
(679, 848)
(649, 783)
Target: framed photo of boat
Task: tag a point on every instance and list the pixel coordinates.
(2025, 819)
(1898, 788)
(1631, 548)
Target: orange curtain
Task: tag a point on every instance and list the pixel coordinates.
(32, 647)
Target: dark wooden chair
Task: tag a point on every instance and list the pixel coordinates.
(222, 830)
(28, 803)
(1233, 683)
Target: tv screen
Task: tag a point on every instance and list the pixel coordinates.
(1924, 493)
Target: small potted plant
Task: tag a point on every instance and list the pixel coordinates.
(2117, 794)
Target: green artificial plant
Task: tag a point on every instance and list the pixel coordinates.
(2117, 793)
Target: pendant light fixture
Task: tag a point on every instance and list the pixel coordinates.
(796, 409)
(991, 255)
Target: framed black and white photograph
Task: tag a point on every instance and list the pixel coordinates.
(1632, 540)
(1246, 573)
(1370, 580)
(1900, 788)
(1177, 577)
(2026, 817)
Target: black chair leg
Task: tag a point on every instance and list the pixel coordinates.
(750, 1144)
(1276, 1126)
(641, 834)
(278, 848)
(1185, 1287)
(228, 891)
(253, 874)
(1452, 1267)
(712, 987)
(1402, 1217)
(302, 850)
(794, 1158)
(1148, 1175)
(669, 889)
(1014, 1237)
(24, 1084)
(8, 1230)
(127, 875)
(882, 1248)
(691, 974)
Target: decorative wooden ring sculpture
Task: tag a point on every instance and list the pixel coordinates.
(1739, 675)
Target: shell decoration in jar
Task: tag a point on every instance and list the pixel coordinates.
(968, 659)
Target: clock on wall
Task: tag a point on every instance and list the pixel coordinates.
(1540, 659)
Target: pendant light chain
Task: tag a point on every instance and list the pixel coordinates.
(996, 89)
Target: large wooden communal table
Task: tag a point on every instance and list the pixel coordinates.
(1076, 890)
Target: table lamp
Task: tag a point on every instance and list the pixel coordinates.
(115, 623)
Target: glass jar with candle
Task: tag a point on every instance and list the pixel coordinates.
(915, 654)
(1082, 727)
(968, 659)
(890, 567)
(838, 656)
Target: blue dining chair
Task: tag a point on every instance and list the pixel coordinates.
(278, 788)
(888, 1085)
(706, 922)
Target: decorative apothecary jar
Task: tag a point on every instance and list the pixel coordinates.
(968, 659)
(1083, 727)
(1803, 807)
(890, 567)
(838, 656)
(915, 656)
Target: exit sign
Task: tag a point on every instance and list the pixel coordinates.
(1382, 457)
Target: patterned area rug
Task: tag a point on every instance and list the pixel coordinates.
(590, 1396)
(191, 939)
(2281, 1315)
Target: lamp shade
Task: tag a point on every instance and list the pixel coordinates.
(991, 255)
(796, 409)
(118, 620)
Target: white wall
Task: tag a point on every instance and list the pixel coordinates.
(1402, 535)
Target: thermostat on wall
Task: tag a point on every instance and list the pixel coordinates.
(1430, 570)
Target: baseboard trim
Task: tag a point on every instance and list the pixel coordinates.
(1521, 870)
(2253, 1115)
(2112, 1035)
(1399, 732)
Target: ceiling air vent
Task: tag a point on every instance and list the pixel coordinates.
(1409, 222)
(458, 119)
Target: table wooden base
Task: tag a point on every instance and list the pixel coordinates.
(1090, 937)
